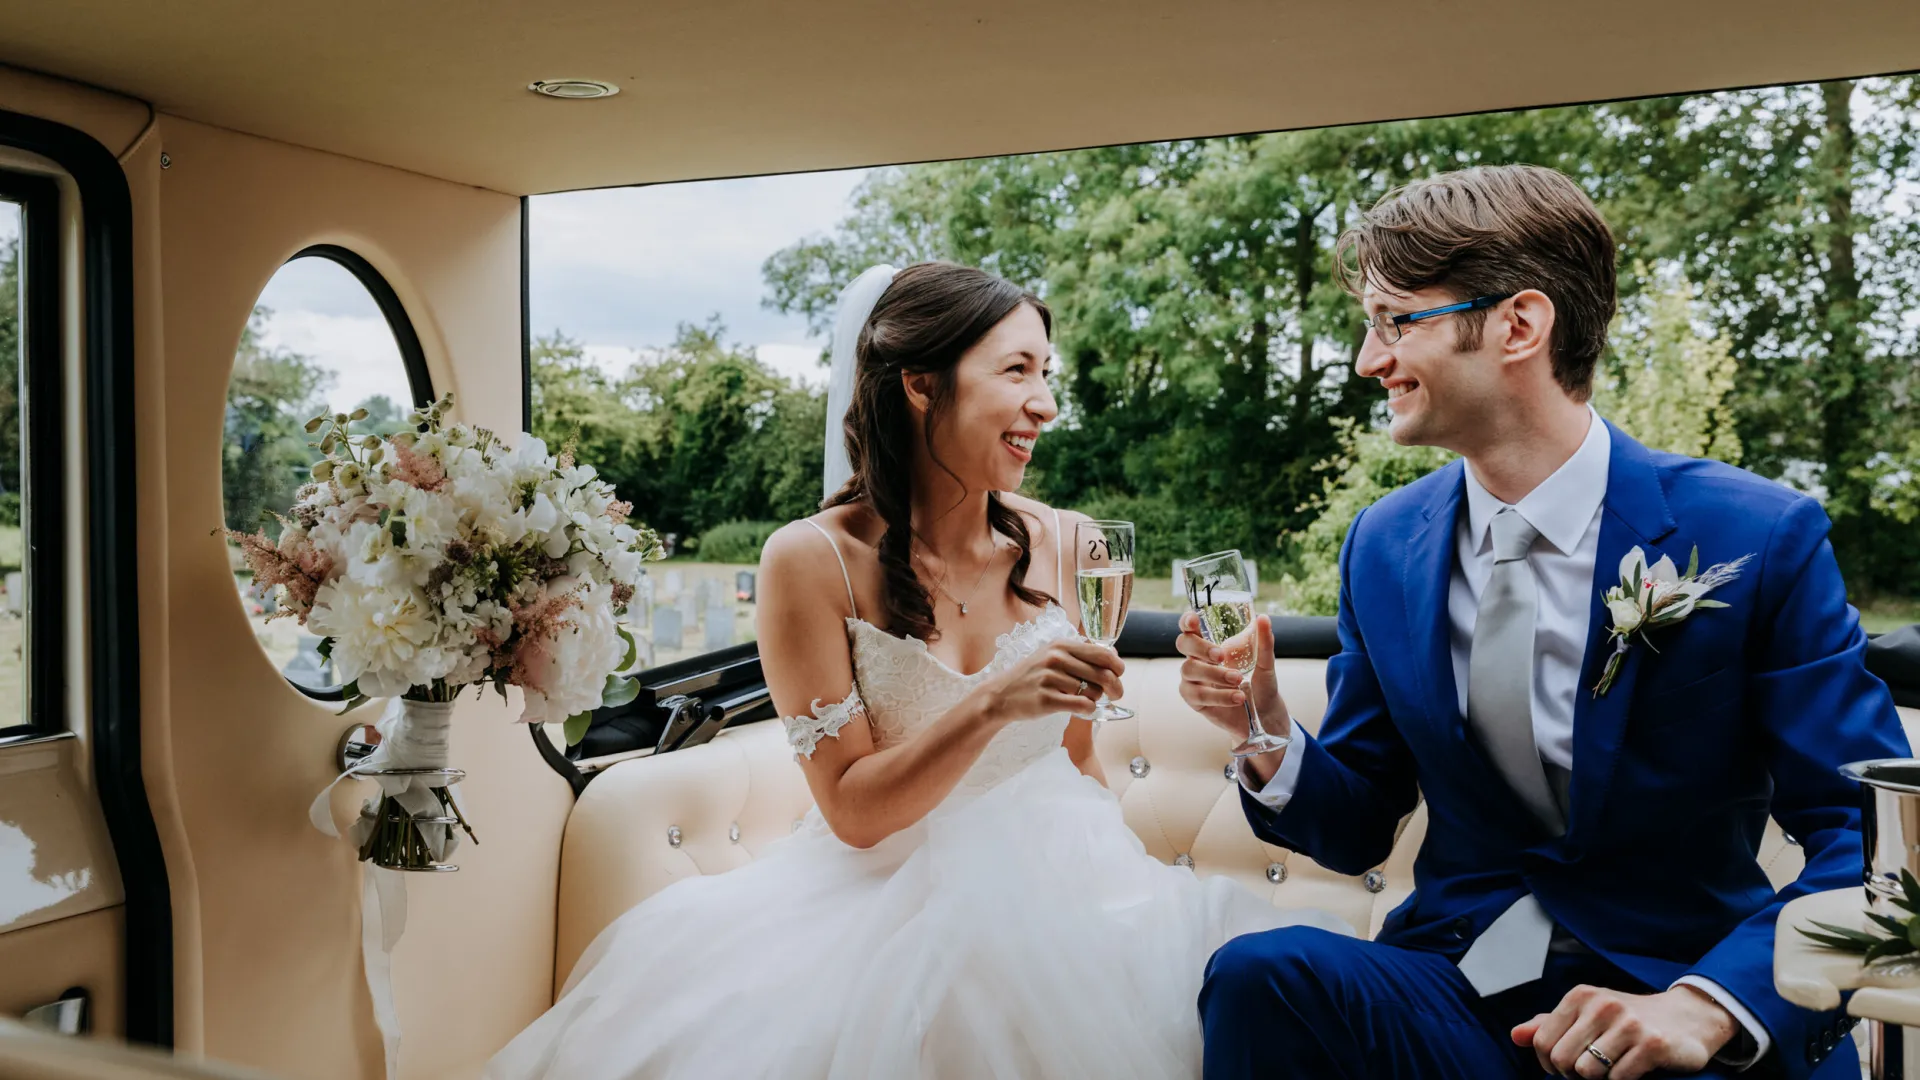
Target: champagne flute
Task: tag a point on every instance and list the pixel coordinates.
(1220, 591)
(1103, 552)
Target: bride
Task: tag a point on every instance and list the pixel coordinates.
(965, 901)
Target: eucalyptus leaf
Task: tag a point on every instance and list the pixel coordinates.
(1693, 563)
(633, 649)
(576, 727)
(1710, 604)
(619, 691)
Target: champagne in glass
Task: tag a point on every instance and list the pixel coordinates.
(1220, 591)
(1104, 578)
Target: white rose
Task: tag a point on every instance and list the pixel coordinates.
(571, 668)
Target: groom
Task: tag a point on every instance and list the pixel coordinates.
(1587, 901)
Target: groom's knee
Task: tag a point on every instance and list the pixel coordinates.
(1295, 964)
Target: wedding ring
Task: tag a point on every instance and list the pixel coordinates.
(1083, 688)
(1600, 1057)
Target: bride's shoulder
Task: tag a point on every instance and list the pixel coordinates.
(800, 563)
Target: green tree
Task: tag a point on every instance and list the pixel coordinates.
(695, 435)
(10, 369)
(271, 395)
(1791, 209)
(1668, 386)
(1206, 348)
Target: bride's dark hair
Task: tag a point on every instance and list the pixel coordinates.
(931, 314)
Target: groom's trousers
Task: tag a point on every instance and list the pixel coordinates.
(1303, 1004)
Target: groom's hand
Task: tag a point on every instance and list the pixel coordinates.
(1678, 1031)
(1214, 690)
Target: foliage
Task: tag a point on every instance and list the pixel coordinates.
(697, 434)
(1670, 387)
(10, 479)
(1165, 530)
(1902, 933)
(1369, 465)
(264, 457)
(735, 541)
(1205, 348)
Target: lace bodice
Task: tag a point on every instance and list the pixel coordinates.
(905, 689)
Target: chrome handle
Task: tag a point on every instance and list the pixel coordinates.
(67, 1016)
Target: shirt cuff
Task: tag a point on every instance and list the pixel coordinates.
(1734, 1053)
(1279, 790)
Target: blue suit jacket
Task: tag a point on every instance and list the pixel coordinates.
(1743, 711)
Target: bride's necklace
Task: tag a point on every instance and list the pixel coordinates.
(940, 582)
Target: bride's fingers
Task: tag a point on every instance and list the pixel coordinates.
(1100, 656)
(1096, 678)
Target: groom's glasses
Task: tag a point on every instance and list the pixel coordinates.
(1389, 327)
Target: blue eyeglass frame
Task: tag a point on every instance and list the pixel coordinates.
(1412, 317)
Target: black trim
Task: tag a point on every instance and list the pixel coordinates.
(42, 401)
(113, 615)
(1299, 637)
(1894, 657)
(526, 316)
(413, 358)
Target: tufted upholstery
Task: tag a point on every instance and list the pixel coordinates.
(1168, 768)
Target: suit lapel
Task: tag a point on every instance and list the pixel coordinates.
(1634, 514)
(1429, 569)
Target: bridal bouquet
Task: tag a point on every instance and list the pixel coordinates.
(440, 558)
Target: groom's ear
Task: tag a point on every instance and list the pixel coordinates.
(1529, 329)
(918, 386)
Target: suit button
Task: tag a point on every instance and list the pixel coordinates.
(1826, 1043)
(1461, 928)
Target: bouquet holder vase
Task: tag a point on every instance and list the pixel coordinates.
(409, 827)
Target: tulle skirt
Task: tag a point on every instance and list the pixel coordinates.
(1023, 932)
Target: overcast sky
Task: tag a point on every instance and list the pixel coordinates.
(616, 270)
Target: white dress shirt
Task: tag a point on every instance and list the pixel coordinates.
(1565, 509)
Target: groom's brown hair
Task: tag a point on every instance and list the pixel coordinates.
(1489, 231)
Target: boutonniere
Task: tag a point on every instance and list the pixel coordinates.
(1650, 597)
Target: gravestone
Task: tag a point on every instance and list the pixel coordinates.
(308, 667)
(666, 626)
(719, 626)
(676, 581)
(743, 586)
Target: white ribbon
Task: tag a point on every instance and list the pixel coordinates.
(413, 735)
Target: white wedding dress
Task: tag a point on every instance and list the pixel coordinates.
(1019, 930)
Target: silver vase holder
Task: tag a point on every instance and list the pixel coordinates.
(1889, 823)
(394, 842)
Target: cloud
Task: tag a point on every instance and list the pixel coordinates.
(320, 310)
(625, 266)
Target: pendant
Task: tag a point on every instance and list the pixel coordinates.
(963, 609)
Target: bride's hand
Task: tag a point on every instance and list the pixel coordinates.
(1066, 676)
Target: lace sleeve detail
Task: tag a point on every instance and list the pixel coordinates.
(805, 732)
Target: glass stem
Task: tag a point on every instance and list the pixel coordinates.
(1254, 730)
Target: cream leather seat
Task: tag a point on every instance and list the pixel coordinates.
(647, 822)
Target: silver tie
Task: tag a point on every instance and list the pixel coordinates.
(1513, 949)
(1500, 671)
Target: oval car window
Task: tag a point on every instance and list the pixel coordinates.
(317, 341)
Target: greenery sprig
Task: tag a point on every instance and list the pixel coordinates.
(1905, 932)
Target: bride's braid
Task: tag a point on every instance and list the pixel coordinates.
(928, 317)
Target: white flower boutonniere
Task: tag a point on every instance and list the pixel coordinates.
(1650, 597)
